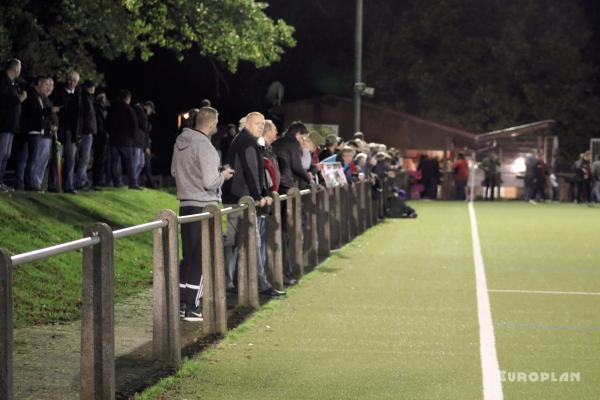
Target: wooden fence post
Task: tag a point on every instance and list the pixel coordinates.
(313, 259)
(251, 251)
(6, 326)
(274, 244)
(335, 205)
(323, 225)
(294, 219)
(97, 367)
(166, 341)
(220, 297)
(208, 291)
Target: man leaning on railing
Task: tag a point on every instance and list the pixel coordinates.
(195, 168)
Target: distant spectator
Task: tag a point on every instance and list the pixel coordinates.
(249, 180)
(289, 156)
(541, 180)
(205, 103)
(491, 169)
(230, 133)
(530, 176)
(89, 131)
(359, 136)
(461, 176)
(121, 124)
(33, 155)
(195, 167)
(554, 173)
(68, 98)
(150, 109)
(595, 170)
(330, 147)
(583, 177)
(101, 165)
(350, 169)
(11, 97)
(141, 139)
(430, 175)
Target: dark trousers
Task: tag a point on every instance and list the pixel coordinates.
(6, 141)
(490, 188)
(122, 155)
(582, 188)
(147, 171)
(99, 165)
(190, 267)
(285, 237)
(459, 190)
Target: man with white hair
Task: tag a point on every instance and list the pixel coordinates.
(245, 158)
(68, 99)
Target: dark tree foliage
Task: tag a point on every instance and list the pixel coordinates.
(53, 36)
(485, 64)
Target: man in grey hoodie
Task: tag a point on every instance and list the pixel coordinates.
(195, 167)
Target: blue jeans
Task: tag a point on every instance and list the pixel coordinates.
(459, 190)
(6, 140)
(138, 163)
(40, 155)
(84, 151)
(22, 171)
(120, 155)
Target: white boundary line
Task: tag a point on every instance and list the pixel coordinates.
(490, 369)
(543, 292)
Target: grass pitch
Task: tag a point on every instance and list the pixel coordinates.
(394, 314)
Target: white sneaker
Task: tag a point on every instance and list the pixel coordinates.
(194, 315)
(532, 202)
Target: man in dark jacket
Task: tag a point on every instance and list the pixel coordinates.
(68, 98)
(249, 180)
(141, 141)
(88, 133)
(121, 124)
(11, 98)
(289, 156)
(35, 131)
(101, 166)
(150, 109)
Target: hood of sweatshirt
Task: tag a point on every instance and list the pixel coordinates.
(187, 137)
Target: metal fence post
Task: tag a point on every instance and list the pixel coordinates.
(313, 259)
(323, 225)
(97, 368)
(6, 326)
(166, 341)
(249, 225)
(208, 292)
(274, 244)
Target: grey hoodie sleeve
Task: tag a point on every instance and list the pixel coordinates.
(209, 165)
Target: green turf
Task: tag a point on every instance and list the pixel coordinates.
(391, 316)
(50, 290)
(548, 247)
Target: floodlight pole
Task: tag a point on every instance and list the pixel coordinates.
(358, 63)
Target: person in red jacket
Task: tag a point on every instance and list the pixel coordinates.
(461, 176)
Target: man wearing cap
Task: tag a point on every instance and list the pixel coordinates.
(149, 109)
(89, 129)
(101, 165)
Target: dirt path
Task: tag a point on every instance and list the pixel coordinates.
(47, 357)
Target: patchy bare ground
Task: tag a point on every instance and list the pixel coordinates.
(47, 356)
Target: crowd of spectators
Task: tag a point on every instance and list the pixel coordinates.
(255, 160)
(58, 132)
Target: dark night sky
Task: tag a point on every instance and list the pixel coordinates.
(322, 62)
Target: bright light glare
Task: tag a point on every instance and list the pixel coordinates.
(518, 166)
